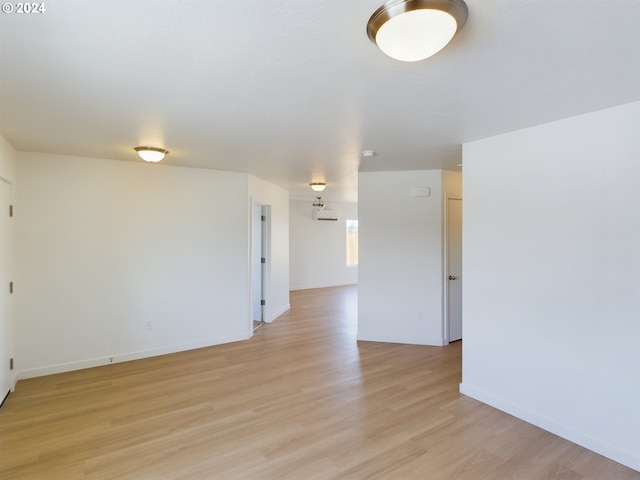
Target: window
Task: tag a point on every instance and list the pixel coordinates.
(352, 242)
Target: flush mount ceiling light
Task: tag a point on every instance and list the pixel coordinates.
(318, 186)
(412, 30)
(151, 154)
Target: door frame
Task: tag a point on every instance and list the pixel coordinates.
(10, 310)
(265, 271)
(445, 262)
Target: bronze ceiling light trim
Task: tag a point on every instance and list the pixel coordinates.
(318, 186)
(151, 154)
(412, 30)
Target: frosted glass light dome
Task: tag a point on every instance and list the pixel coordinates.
(412, 30)
(151, 154)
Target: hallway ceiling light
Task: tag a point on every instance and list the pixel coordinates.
(151, 154)
(318, 203)
(318, 186)
(412, 30)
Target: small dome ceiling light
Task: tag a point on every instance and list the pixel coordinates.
(318, 186)
(151, 154)
(412, 30)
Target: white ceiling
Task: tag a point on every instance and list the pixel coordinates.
(292, 91)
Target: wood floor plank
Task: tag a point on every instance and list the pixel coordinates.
(302, 400)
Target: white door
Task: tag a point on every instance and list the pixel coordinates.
(256, 263)
(260, 260)
(6, 332)
(454, 268)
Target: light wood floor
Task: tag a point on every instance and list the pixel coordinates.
(300, 400)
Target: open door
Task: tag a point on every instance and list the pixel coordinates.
(454, 269)
(6, 290)
(260, 222)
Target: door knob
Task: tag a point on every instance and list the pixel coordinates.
(452, 277)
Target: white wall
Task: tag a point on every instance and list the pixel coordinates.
(552, 278)
(107, 246)
(400, 292)
(8, 165)
(277, 198)
(318, 248)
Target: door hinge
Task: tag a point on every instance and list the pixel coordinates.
(263, 260)
(11, 210)
(10, 287)
(263, 218)
(11, 364)
(263, 303)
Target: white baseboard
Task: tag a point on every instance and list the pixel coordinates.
(410, 340)
(125, 357)
(613, 452)
(319, 285)
(276, 314)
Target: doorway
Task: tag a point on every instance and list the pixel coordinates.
(260, 260)
(6, 289)
(453, 273)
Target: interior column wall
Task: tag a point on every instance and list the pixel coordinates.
(400, 289)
